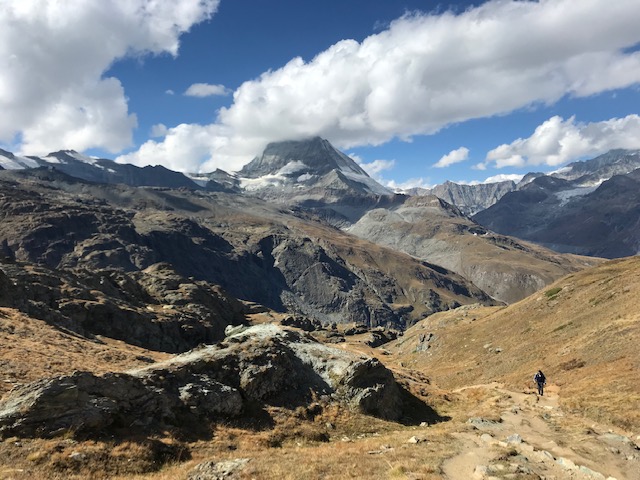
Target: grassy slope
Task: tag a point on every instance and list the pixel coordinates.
(582, 331)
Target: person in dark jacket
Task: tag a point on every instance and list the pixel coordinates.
(540, 380)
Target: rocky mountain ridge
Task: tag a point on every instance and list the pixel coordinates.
(334, 189)
(430, 229)
(470, 199)
(582, 175)
(147, 246)
(586, 220)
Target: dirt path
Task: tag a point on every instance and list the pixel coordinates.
(534, 438)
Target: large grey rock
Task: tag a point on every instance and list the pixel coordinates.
(212, 470)
(265, 363)
(78, 402)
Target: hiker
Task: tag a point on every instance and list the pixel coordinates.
(541, 380)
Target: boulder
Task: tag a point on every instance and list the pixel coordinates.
(267, 364)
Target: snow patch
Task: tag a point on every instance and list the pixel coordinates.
(370, 183)
(197, 179)
(278, 179)
(305, 177)
(84, 158)
(267, 181)
(291, 168)
(55, 160)
(17, 163)
(566, 195)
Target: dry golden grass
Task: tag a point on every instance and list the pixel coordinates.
(31, 349)
(582, 331)
(355, 446)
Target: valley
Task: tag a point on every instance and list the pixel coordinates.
(299, 320)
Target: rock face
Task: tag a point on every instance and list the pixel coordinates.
(471, 199)
(265, 364)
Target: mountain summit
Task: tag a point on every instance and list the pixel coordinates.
(314, 174)
(307, 163)
(314, 156)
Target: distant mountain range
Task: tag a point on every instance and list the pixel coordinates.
(99, 170)
(569, 216)
(470, 199)
(558, 210)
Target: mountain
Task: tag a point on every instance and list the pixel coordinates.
(470, 199)
(101, 170)
(199, 241)
(432, 230)
(316, 182)
(98, 281)
(595, 171)
(309, 175)
(313, 175)
(562, 215)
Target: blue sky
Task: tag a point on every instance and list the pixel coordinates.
(418, 92)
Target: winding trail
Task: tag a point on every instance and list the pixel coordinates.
(536, 439)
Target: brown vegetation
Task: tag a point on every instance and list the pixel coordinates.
(582, 331)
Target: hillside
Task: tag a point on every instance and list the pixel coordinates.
(582, 331)
(432, 230)
(181, 252)
(469, 411)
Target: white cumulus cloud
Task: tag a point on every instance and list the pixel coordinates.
(53, 57)
(206, 90)
(558, 141)
(400, 187)
(158, 130)
(375, 167)
(453, 157)
(427, 71)
(513, 177)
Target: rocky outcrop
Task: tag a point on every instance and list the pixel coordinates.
(156, 308)
(266, 364)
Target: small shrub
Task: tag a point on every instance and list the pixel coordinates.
(552, 292)
(562, 327)
(572, 364)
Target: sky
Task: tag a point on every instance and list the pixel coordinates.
(417, 92)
